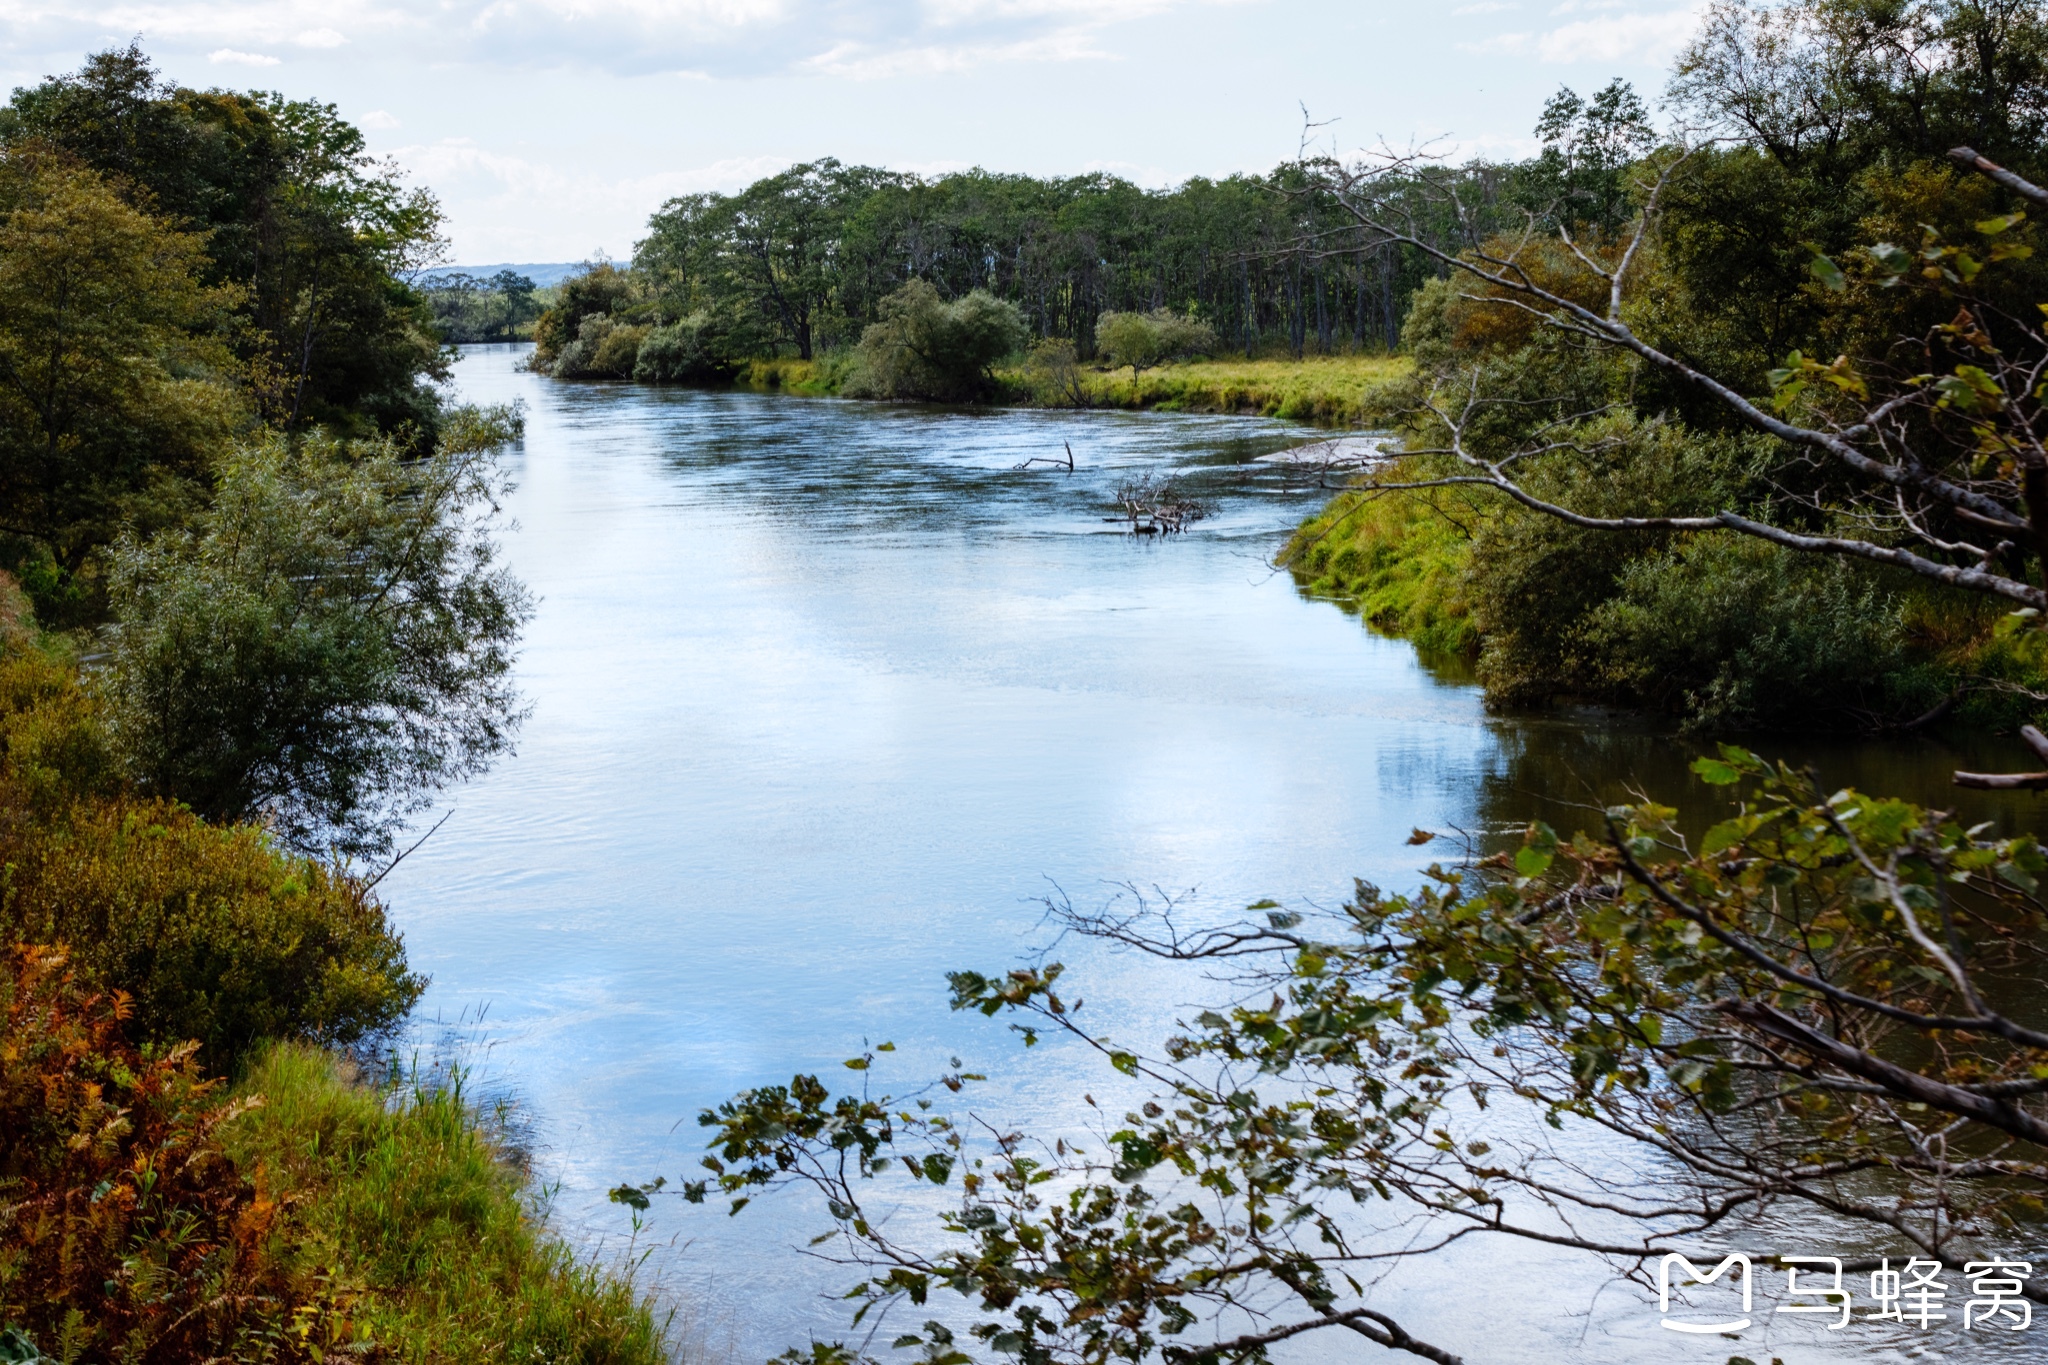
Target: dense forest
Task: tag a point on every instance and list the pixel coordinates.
(805, 261)
(802, 263)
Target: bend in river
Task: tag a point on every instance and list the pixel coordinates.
(827, 695)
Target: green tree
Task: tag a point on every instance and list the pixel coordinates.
(329, 646)
(115, 385)
(1581, 176)
(925, 347)
(1143, 340)
(598, 291)
(313, 233)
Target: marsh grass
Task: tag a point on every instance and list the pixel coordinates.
(822, 377)
(403, 1198)
(1397, 559)
(1332, 391)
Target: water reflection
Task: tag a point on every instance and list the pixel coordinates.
(827, 694)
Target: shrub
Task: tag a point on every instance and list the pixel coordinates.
(601, 290)
(604, 349)
(700, 348)
(215, 934)
(1534, 581)
(1739, 634)
(1054, 373)
(925, 347)
(329, 647)
(125, 1232)
(1142, 340)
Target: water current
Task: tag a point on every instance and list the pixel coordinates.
(827, 696)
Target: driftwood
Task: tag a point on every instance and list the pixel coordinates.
(1067, 464)
(2038, 742)
(1154, 506)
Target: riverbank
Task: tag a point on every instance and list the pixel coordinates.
(175, 1182)
(1718, 632)
(1327, 391)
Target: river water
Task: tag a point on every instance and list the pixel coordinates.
(826, 698)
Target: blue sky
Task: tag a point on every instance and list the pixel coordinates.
(551, 128)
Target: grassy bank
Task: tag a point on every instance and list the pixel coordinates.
(820, 378)
(1325, 390)
(1328, 391)
(1723, 633)
(151, 1211)
(404, 1202)
(1396, 560)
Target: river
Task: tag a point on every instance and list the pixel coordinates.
(826, 698)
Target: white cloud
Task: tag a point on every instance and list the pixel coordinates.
(227, 56)
(862, 62)
(379, 119)
(1619, 38)
(321, 37)
(455, 159)
(1610, 39)
(1484, 7)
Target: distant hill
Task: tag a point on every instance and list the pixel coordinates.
(542, 275)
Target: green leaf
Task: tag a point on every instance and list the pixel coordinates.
(1893, 260)
(1124, 1062)
(1828, 273)
(1723, 836)
(1714, 772)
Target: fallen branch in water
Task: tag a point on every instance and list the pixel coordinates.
(1068, 465)
(2038, 742)
(1153, 506)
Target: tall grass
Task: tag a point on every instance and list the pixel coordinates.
(402, 1200)
(1398, 559)
(822, 377)
(1332, 391)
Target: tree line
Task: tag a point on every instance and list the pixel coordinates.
(803, 262)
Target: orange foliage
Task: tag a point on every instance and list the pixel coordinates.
(125, 1232)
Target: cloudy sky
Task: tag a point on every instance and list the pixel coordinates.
(550, 128)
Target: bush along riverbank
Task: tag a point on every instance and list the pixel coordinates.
(276, 550)
(187, 1172)
(1339, 392)
(1719, 634)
